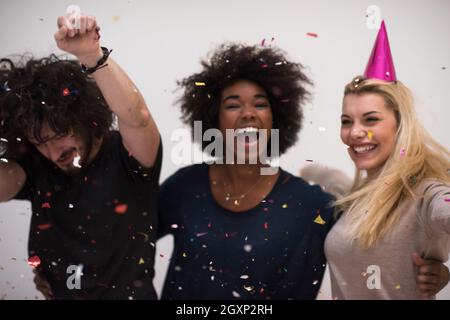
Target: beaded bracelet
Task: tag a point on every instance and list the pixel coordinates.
(100, 63)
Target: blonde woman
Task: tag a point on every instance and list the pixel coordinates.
(398, 208)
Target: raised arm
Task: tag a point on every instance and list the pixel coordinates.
(138, 129)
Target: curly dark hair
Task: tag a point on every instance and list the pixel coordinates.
(49, 90)
(283, 81)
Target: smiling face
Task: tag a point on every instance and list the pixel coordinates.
(245, 107)
(63, 151)
(368, 128)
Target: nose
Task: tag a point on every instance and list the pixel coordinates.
(248, 112)
(53, 151)
(358, 132)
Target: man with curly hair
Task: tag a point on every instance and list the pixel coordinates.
(241, 234)
(93, 190)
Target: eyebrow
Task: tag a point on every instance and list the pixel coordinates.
(260, 95)
(365, 114)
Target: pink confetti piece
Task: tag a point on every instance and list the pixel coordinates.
(266, 225)
(121, 208)
(46, 205)
(34, 261)
(312, 34)
(447, 199)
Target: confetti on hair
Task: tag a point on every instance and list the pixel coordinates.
(402, 152)
(200, 84)
(312, 34)
(447, 199)
(369, 134)
(34, 261)
(319, 219)
(121, 208)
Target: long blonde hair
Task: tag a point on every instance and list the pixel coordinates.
(372, 202)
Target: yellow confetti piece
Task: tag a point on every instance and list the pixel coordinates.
(284, 206)
(200, 84)
(184, 254)
(369, 134)
(115, 18)
(397, 287)
(141, 261)
(319, 220)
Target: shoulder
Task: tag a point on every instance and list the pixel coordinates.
(302, 189)
(186, 176)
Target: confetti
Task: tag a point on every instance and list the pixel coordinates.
(44, 226)
(66, 92)
(266, 225)
(161, 255)
(369, 134)
(265, 65)
(174, 226)
(76, 162)
(249, 288)
(312, 34)
(309, 160)
(146, 237)
(200, 84)
(263, 42)
(184, 254)
(236, 294)
(141, 261)
(34, 261)
(315, 282)
(248, 247)
(244, 276)
(447, 199)
(70, 206)
(115, 18)
(121, 208)
(319, 220)
(201, 234)
(284, 206)
(397, 286)
(402, 152)
(46, 205)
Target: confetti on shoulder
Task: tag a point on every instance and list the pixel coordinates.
(319, 220)
(200, 84)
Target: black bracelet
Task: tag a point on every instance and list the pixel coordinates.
(100, 63)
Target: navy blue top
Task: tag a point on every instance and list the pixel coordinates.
(273, 251)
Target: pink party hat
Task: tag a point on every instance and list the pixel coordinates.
(380, 65)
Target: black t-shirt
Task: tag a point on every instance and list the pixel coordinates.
(273, 251)
(101, 223)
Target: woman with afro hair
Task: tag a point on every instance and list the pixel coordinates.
(239, 232)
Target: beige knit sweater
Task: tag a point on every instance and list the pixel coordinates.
(386, 271)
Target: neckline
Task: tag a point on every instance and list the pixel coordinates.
(280, 178)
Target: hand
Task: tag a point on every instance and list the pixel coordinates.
(42, 285)
(432, 275)
(83, 42)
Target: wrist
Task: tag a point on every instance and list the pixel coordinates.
(90, 60)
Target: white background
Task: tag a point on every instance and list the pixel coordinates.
(159, 42)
